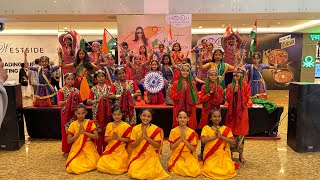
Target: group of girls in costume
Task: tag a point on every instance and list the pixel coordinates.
(112, 142)
(137, 150)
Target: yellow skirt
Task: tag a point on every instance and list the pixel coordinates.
(114, 163)
(219, 166)
(186, 165)
(147, 166)
(85, 161)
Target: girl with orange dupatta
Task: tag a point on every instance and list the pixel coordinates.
(217, 162)
(183, 143)
(146, 140)
(123, 92)
(83, 156)
(184, 96)
(114, 159)
(238, 95)
(101, 110)
(68, 99)
(84, 72)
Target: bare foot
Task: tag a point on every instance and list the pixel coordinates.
(241, 159)
(65, 155)
(200, 157)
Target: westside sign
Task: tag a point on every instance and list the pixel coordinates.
(13, 47)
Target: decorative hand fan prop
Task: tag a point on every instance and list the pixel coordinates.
(153, 82)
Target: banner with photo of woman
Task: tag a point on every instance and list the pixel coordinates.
(151, 30)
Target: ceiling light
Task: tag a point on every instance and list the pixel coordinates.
(260, 30)
(305, 25)
(194, 30)
(241, 30)
(54, 32)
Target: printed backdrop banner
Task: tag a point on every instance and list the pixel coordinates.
(155, 30)
(278, 44)
(12, 49)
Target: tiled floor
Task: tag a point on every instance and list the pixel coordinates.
(265, 159)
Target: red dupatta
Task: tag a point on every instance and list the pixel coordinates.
(72, 101)
(88, 129)
(213, 102)
(185, 102)
(237, 104)
(217, 145)
(192, 135)
(146, 144)
(117, 144)
(67, 116)
(127, 104)
(103, 117)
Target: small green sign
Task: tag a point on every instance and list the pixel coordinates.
(315, 37)
(308, 62)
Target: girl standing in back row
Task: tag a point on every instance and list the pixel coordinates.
(68, 99)
(238, 95)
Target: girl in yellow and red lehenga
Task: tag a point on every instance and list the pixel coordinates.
(238, 96)
(68, 99)
(217, 161)
(114, 160)
(183, 143)
(83, 156)
(146, 141)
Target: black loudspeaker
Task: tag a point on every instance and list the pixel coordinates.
(304, 117)
(12, 129)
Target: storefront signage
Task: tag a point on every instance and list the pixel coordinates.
(315, 37)
(308, 62)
